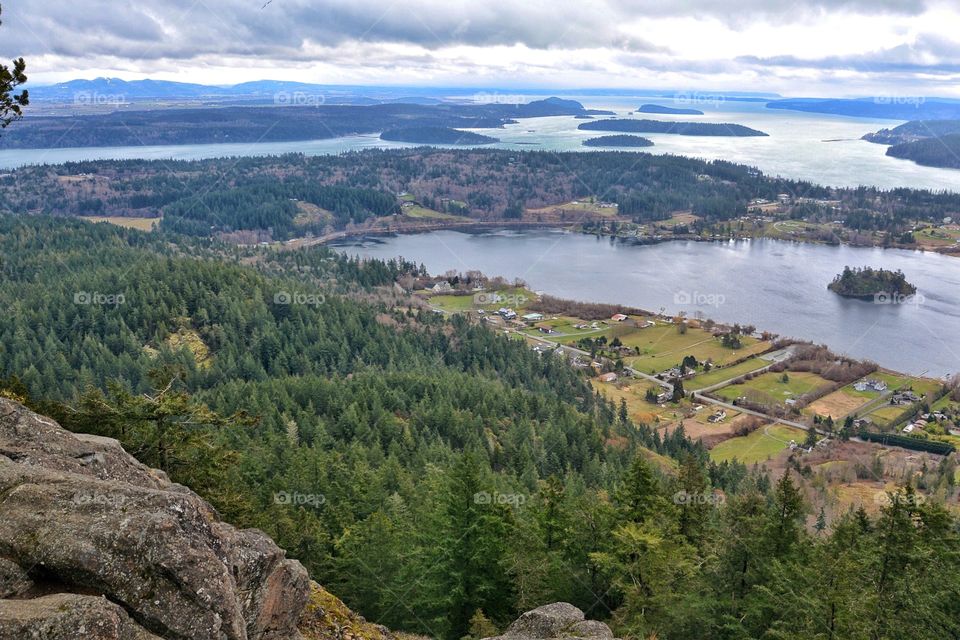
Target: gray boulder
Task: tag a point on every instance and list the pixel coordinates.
(82, 516)
(556, 621)
(68, 615)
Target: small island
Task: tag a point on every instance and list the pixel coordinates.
(659, 108)
(878, 285)
(436, 135)
(677, 128)
(618, 141)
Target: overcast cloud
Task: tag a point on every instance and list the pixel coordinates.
(793, 47)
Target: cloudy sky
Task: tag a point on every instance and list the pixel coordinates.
(794, 47)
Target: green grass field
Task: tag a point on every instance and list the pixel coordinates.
(761, 445)
(770, 384)
(515, 297)
(720, 374)
(663, 346)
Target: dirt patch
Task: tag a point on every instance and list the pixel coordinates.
(838, 405)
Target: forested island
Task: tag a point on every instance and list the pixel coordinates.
(659, 108)
(208, 125)
(867, 283)
(678, 128)
(295, 196)
(913, 131)
(942, 151)
(618, 141)
(436, 135)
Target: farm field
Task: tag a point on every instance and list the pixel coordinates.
(141, 224)
(577, 206)
(763, 444)
(841, 403)
(663, 346)
(720, 374)
(514, 297)
(771, 388)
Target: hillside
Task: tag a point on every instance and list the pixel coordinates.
(380, 444)
(436, 135)
(659, 108)
(892, 107)
(913, 131)
(298, 117)
(618, 141)
(677, 128)
(941, 151)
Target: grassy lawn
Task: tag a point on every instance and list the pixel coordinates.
(719, 374)
(770, 384)
(142, 224)
(663, 346)
(589, 205)
(418, 211)
(761, 445)
(514, 297)
(886, 414)
(640, 410)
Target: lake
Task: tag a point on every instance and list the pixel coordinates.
(821, 148)
(775, 285)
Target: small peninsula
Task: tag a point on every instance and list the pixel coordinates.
(678, 128)
(436, 135)
(618, 141)
(866, 283)
(659, 108)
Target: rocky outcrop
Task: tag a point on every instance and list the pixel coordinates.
(68, 615)
(91, 537)
(559, 620)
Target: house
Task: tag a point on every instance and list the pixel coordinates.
(533, 317)
(904, 397)
(718, 416)
(664, 396)
(545, 328)
(442, 287)
(909, 428)
(618, 317)
(608, 377)
(507, 314)
(871, 385)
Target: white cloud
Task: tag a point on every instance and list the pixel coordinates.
(791, 46)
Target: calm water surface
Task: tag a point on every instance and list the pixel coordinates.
(775, 285)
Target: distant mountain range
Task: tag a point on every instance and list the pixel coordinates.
(894, 108)
(116, 90)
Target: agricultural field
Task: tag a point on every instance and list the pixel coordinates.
(419, 211)
(678, 219)
(515, 298)
(763, 444)
(589, 206)
(936, 237)
(141, 224)
(841, 403)
(721, 374)
(663, 346)
(769, 388)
